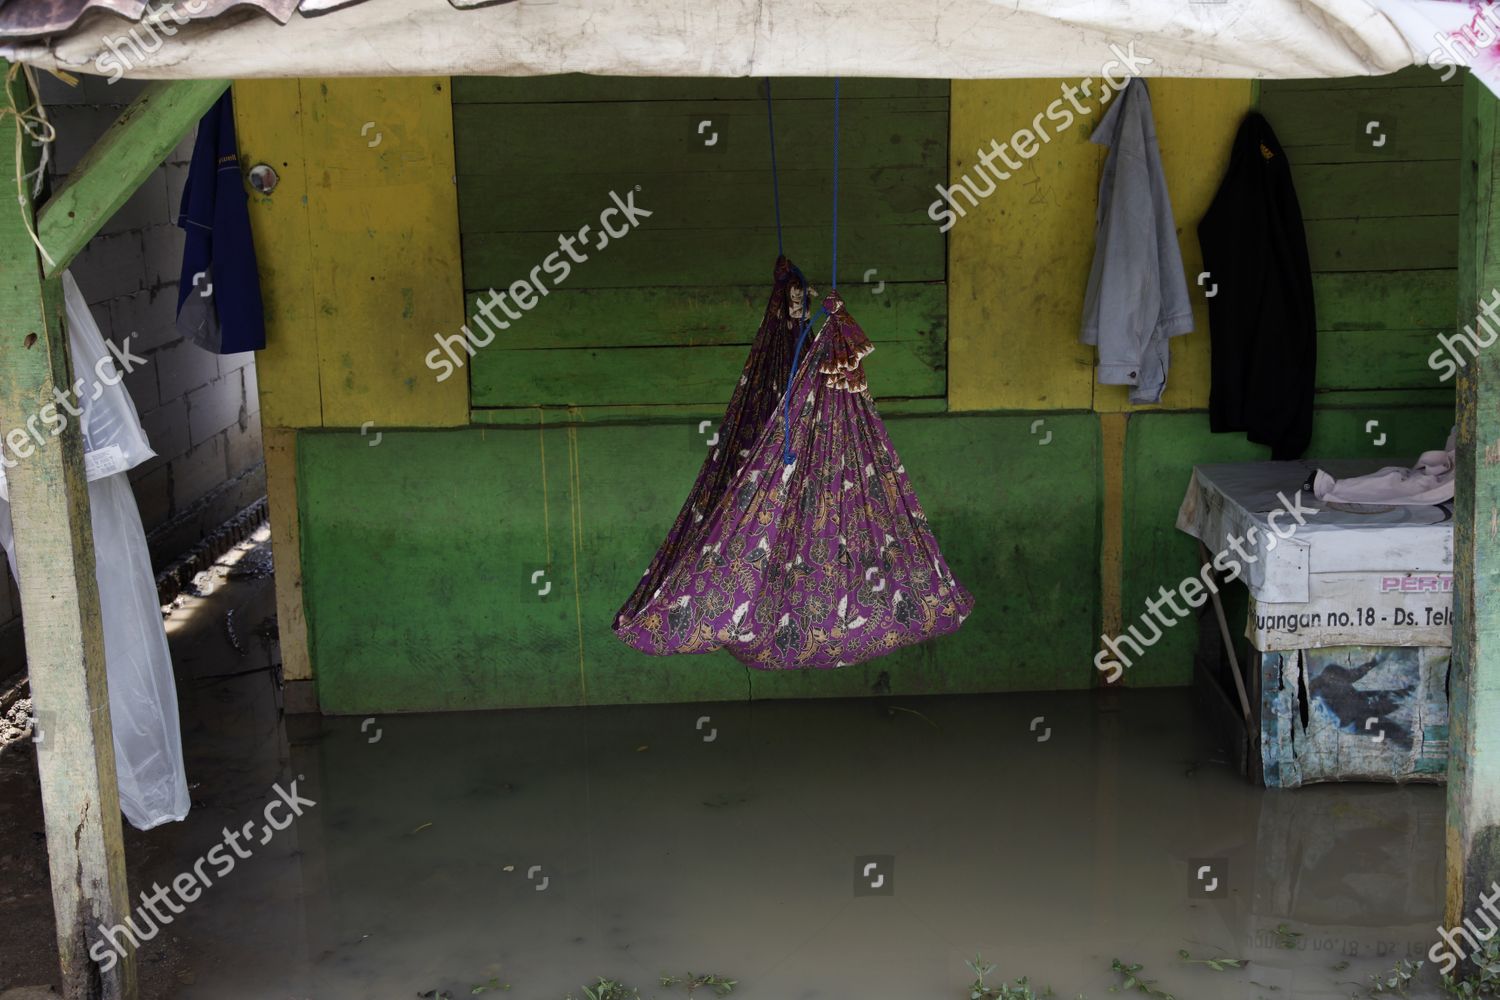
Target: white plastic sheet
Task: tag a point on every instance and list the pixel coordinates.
(113, 439)
(142, 690)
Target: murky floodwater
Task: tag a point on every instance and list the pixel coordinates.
(839, 850)
(1048, 833)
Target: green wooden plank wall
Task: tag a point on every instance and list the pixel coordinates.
(1375, 161)
(665, 316)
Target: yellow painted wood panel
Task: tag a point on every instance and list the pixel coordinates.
(286, 548)
(1019, 261)
(358, 249)
(1195, 125)
(383, 209)
(268, 125)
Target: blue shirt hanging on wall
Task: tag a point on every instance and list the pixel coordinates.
(218, 297)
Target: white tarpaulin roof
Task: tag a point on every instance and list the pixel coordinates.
(737, 38)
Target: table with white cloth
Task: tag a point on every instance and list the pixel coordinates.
(1348, 623)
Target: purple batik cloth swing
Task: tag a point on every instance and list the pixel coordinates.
(802, 543)
(751, 407)
(823, 562)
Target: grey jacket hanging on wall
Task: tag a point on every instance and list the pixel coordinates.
(1137, 295)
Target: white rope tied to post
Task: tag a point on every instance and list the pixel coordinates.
(32, 122)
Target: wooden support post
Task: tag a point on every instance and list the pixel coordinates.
(1473, 862)
(60, 607)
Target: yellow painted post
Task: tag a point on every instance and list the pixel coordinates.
(1019, 261)
(281, 497)
(268, 124)
(1113, 429)
(383, 207)
(358, 251)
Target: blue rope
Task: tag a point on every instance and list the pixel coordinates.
(835, 184)
(787, 456)
(775, 182)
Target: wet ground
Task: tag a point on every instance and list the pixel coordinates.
(809, 850)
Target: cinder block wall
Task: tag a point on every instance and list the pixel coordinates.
(201, 411)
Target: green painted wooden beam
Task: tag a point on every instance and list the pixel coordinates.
(715, 316)
(1473, 862)
(123, 157)
(49, 502)
(652, 414)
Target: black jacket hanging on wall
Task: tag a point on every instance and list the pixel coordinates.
(1261, 320)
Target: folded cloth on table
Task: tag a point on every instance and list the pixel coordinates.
(1430, 481)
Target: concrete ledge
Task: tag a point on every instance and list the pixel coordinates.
(301, 698)
(170, 540)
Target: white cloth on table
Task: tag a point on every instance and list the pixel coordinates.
(1430, 481)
